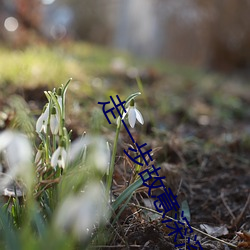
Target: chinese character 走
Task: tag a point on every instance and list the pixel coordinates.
(112, 109)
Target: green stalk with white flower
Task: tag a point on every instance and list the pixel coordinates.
(54, 136)
(129, 110)
(69, 192)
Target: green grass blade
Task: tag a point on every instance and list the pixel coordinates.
(127, 192)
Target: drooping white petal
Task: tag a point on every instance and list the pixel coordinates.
(59, 99)
(59, 158)
(124, 114)
(54, 124)
(55, 156)
(39, 123)
(132, 117)
(77, 148)
(38, 156)
(139, 116)
(18, 156)
(5, 139)
(44, 127)
(19, 151)
(101, 154)
(46, 113)
(78, 214)
(63, 159)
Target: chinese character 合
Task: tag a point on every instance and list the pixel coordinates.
(156, 178)
(167, 201)
(189, 245)
(112, 109)
(141, 154)
(187, 223)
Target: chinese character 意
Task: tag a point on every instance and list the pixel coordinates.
(112, 109)
(167, 201)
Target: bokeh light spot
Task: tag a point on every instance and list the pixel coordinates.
(47, 2)
(11, 24)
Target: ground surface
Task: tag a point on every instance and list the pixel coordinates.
(197, 122)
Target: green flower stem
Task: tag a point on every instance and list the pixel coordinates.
(54, 142)
(112, 164)
(59, 111)
(47, 140)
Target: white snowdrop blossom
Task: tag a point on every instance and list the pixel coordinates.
(98, 152)
(59, 157)
(79, 214)
(59, 99)
(54, 121)
(38, 156)
(17, 152)
(133, 114)
(42, 122)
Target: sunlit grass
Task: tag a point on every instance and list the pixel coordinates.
(37, 65)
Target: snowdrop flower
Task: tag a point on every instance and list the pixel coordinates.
(98, 152)
(59, 97)
(54, 121)
(17, 152)
(133, 114)
(39, 154)
(59, 157)
(42, 122)
(79, 214)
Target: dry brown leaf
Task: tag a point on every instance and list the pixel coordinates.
(245, 236)
(214, 230)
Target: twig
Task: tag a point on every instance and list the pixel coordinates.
(227, 207)
(195, 229)
(237, 220)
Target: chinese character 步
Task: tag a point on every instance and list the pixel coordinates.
(141, 154)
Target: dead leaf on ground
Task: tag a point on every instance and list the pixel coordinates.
(214, 230)
(245, 236)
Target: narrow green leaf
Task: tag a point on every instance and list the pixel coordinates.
(132, 96)
(185, 208)
(127, 192)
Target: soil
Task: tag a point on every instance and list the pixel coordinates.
(206, 162)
